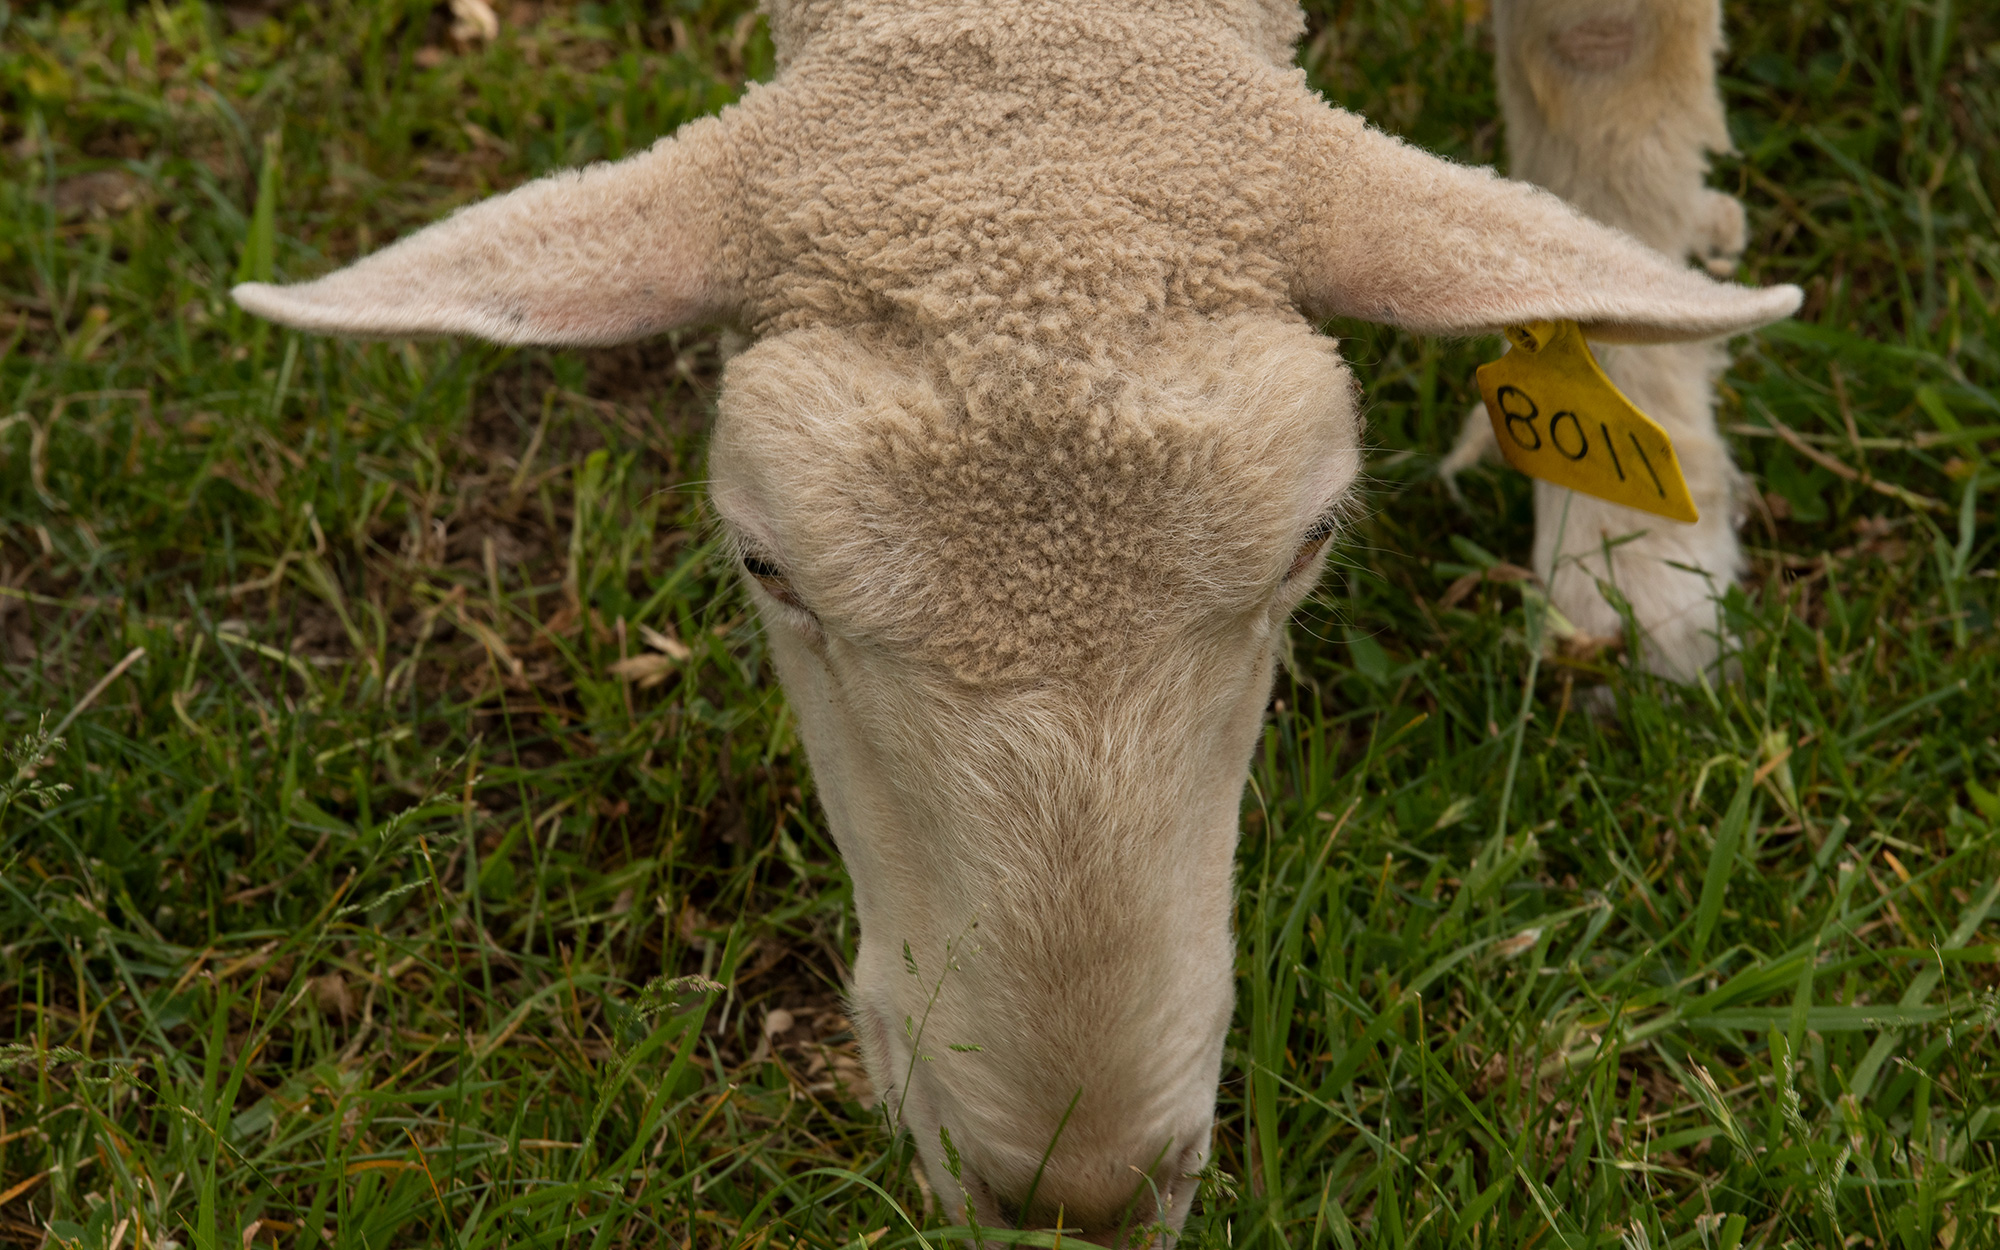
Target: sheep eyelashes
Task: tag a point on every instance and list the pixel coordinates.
(1033, 455)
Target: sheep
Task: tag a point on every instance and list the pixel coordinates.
(1613, 106)
(1035, 451)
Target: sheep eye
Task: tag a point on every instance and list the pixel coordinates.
(1310, 546)
(773, 580)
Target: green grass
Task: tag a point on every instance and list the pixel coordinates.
(339, 914)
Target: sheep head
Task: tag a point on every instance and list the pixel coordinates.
(1035, 454)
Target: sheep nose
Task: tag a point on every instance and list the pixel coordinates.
(1137, 1227)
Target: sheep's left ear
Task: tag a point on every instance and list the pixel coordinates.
(600, 255)
(1395, 235)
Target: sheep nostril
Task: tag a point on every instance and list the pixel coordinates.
(984, 1204)
(1009, 1211)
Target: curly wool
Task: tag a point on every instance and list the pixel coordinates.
(1081, 191)
(1062, 174)
(1016, 516)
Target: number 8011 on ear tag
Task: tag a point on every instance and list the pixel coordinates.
(1558, 417)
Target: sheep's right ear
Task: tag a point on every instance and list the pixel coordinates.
(1395, 235)
(599, 255)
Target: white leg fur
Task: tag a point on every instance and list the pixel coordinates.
(1669, 572)
(1612, 104)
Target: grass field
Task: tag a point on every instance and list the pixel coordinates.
(388, 729)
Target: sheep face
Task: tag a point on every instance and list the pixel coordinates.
(1029, 650)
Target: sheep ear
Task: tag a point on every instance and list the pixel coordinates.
(1399, 236)
(600, 255)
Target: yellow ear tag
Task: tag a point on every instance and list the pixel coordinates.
(1557, 417)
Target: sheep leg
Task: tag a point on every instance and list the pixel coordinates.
(1613, 105)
